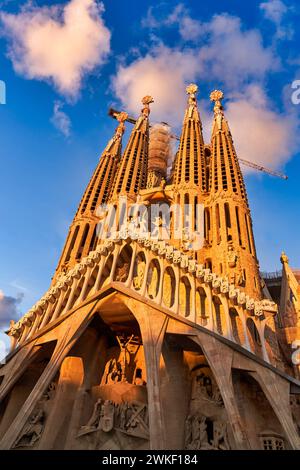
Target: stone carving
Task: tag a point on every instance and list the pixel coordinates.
(114, 372)
(93, 423)
(123, 343)
(33, 430)
(34, 427)
(138, 279)
(231, 257)
(205, 388)
(200, 271)
(129, 418)
(196, 435)
(122, 272)
(220, 439)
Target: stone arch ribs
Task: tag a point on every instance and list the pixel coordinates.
(153, 325)
(43, 315)
(277, 392)
(220, 361)
(70, 331)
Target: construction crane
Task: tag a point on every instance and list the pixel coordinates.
(113, 113)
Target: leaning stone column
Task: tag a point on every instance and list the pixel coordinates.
(219, 358)
(70, 379)
(153, 326)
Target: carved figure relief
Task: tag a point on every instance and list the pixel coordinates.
(203, 387)
(33, 429)
(139, 273)
(236, 275)
(122, 272)
(197, 436)
(129, 418)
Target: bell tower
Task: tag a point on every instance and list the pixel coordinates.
(189, 174)
(82, 233)
(228, 224)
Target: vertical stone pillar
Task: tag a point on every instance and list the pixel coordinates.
(219, 358)
(277, 391)
(152, 325)
(70, 379)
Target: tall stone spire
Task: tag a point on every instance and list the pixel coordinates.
(225, 169)
(132, 171)
(190, 165)
(228, 225)
(82, 233)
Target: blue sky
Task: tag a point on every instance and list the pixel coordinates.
(62, 74)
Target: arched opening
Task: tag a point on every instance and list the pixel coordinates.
(123, 264)
(254, 338)
(185, 296)
(93, 242)
(208, 264)
(219, 316)
(71, 246)
(228, 221)
(202, 309)
(200, 421)
(77, 293)
(16, 398)
(106, 271)
(259, 419)
(139, 270)
(83, 240)
(92, 281)
(64, 303)
(218, 223)
(207, 225)
(169, 287)
(153, 279)
(236, 326)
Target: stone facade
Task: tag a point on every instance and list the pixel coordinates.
(145, 343)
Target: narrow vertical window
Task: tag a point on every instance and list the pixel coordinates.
(218, 225)
(227, 221)
(248, 234)
(83, 240)
(238, 225)
(71, 246)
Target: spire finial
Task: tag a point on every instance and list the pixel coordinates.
(217, 96)
(191, 90)
(146, 101)
(283, 258)
(121, 118)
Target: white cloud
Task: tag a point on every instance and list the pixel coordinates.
(189, 28)
(61, 43)
(60, 119)
(163, 73)
(261, 134)
(229, 55)
(233, 55)
(275, 11)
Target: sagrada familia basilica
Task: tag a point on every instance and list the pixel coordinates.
(167, 337)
